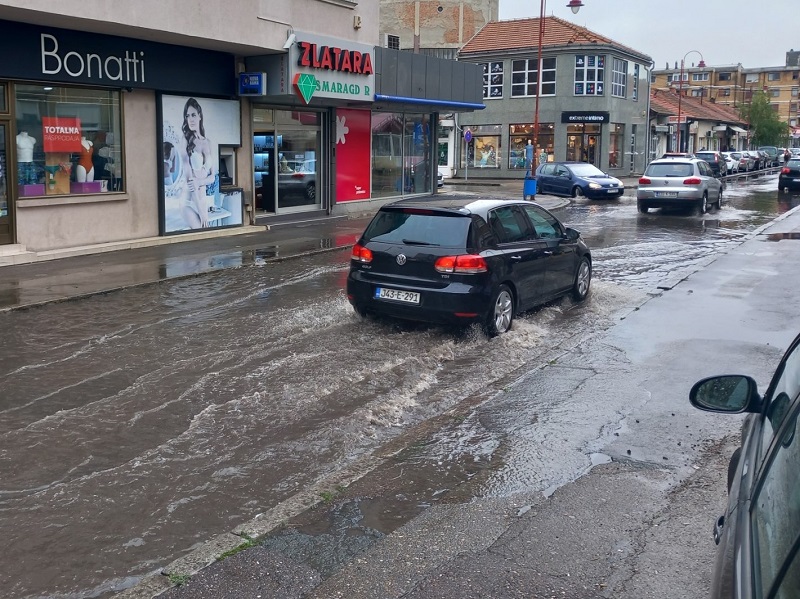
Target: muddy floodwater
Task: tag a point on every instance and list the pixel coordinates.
(138, 424)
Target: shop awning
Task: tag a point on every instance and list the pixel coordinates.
(720, 128)
(737, 129)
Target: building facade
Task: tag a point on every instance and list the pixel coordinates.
(593, 100)
(734, 85)
(136, 122)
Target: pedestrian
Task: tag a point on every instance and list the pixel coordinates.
(786, 156)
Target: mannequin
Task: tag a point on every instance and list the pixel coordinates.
(26, 171)
(85, 170)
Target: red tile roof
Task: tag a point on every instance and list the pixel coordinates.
(523, 34)
(666, 102)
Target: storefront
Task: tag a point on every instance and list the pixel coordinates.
(337, 123)
(83, 158)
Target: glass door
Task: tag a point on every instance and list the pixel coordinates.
(6, 226)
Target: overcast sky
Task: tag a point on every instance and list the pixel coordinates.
(755, 33)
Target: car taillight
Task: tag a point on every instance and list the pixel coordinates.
(692, 181)
(466, 264)
(644, 181)
(361, 254)
(784, 171)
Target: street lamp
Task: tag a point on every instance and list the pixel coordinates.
(702, 65)
(575, 6)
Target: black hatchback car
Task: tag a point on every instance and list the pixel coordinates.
(463, 260)
(759, 533)
(789, 177)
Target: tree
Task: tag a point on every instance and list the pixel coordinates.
(766, 126)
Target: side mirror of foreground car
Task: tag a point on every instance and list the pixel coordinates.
(572, 234)
(729, 394)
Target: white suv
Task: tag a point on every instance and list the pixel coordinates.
(678, 182)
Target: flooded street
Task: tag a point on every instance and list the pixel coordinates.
(138, 424)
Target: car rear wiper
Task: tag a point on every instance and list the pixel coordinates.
(417, 242)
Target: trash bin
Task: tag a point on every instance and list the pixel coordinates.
(529, 188)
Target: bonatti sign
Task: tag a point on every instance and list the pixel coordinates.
(65, 56)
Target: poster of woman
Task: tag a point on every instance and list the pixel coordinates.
(193, 130)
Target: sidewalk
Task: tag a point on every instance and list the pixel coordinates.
(100, 270)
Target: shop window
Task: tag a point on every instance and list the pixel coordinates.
(401, 154)
(616, 145)
(518, 138)
(69, 140)
(589, 75)
(619, 78)
(483, 151)
(525, 77)
(492, 80)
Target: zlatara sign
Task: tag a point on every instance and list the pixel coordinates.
(334, 59)
(91, 65)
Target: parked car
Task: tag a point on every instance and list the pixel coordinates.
(577, 179)
(764, 161)
(758, 535)
(677, 155)
(439, 180)
(731, 163)
(715, 160)
(789, 177)
(772, 154)
(674, 182)
(460, 260)
(746, 162)
(758, 159)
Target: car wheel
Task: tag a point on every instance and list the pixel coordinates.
(311, 191)
(642, 207)
(702, 204)
(583, 280)
(577, 192)
(501, 314)
(360, 310)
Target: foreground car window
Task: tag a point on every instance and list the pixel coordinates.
(786, 388)
(545, 225)
(776, 519)
(418, 227)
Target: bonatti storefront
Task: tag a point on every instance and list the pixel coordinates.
(106, 139)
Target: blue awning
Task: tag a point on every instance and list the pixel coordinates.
(429, 102)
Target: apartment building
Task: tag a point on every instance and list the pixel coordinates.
(734, 85)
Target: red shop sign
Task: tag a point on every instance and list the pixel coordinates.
(61, 134)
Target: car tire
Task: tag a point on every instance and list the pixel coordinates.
(702, 204)
(501, 313)
(583, 280)
(311, 191)
(360, 310)
(642, 207)
(577, 192)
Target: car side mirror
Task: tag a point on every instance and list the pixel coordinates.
(728, 394)
(572, 234)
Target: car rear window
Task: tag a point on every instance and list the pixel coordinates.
(793, 162)
(672, 169)
(419, 227)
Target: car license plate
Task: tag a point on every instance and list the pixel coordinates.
(408, 297)
(612, 190)
(666, 194)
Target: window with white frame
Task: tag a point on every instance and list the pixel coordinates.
(751, 78)
(619, 78)
(698, 93)
(589, 75)
(635, 96)
(699, 76)
(774, 76)
(525, 77)
(794, 91)
(492, 80)
(775, 93)
(725, 91)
